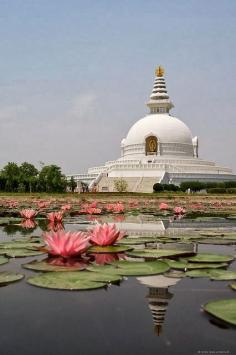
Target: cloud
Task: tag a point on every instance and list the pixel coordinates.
(82, 106)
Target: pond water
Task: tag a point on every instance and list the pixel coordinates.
(139, 316)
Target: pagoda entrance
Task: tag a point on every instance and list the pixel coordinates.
(151, 145)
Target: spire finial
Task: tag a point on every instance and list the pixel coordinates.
(159, 71)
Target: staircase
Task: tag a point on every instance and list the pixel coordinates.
(137, 184)
(146, 184)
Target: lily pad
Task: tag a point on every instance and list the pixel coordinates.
(73, 280)
(141, 240)
(186, 237)
(223, 309)
(7, 277)
(183, 265)
(179, 265)
(199, 273)
(108, 249)
(158, 253)
(210, 218)
(132, 268)
(106, 269)
(212, 234)
(230, 237)
(194, 266)
(211, 258)
(45, 265)
(223, 275)
(11, 220)
(216, 241)
(3, 260)
(20, 253)
(20, 245)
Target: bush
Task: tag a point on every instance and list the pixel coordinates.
(231, 190)
(173, 187)
(192, 185)
(198, 185)
(120, 185)
(170, 187)
(158, 187)
(211, 185)
(216, 190)
(229, 184)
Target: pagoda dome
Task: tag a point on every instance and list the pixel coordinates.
(173, 137)
(166, 128)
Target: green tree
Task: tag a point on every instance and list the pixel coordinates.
(28, 176)
(10, 173)
(28, 169)
(51, 179)
(72, 184)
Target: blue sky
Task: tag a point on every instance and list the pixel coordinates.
(75, 75)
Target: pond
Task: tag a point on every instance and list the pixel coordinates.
(140, 315)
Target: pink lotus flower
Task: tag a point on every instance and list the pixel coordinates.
(55, 216)
(109, 207)
(12, 203)
(42, 204)
(28, 213)
(115, 207)
(66, 244)
(133, 203)
(84, 206)
(118, 207)
(105, 234)
(163, 206)
(66, 207)
(93, 204)
(179, 210)
(197, 206)
(92, 210)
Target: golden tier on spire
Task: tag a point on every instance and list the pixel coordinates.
(159, 71)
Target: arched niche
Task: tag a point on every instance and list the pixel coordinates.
(151, 145)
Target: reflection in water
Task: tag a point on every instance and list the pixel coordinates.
(95, 219)
(190, 247)
(28, 224)
(119, 218)
(11, 229)
(219, 323)
(107, 258)
(81, 263)
(158, 297)
(55, 226)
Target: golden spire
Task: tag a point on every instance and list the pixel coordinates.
(159, 71)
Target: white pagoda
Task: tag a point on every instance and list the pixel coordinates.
(158, 148)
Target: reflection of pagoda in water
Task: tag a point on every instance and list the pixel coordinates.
(158, 297)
